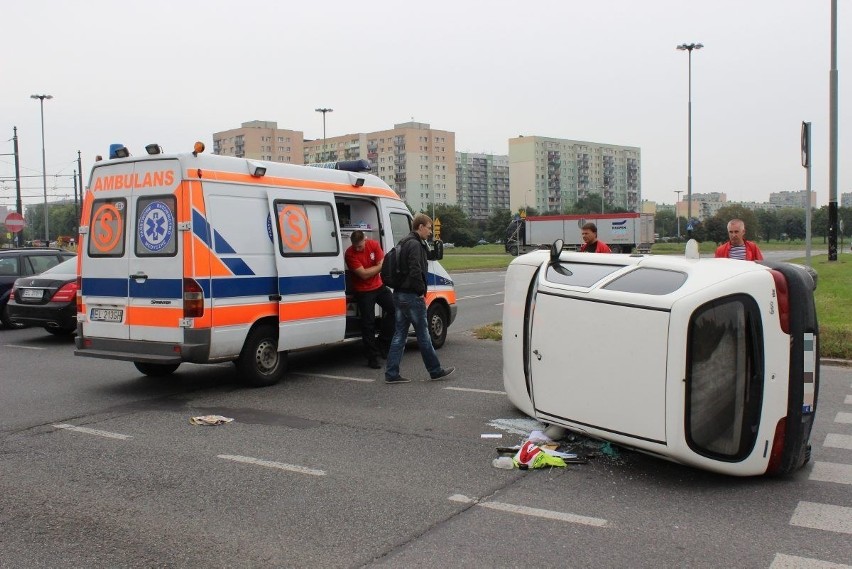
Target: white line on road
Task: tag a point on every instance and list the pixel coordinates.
(363, 379)
(24, 347)
(843, 418)
(88, 431)
(831, 472)
(835, 440)
(271, 464)
(478, 296)
(536, 512)
(477, 390)
(782, 561)
(823, 516)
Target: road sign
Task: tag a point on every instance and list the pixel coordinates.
(14, 222)
(436, 229)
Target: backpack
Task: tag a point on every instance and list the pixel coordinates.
(393, 273)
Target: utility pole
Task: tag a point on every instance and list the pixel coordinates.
(677, 217)
(80, 174)
(832, 140)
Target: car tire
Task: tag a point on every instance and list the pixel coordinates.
(513, 250)
(438, 321)
(156, 370)
(260, 363)
(61, 331)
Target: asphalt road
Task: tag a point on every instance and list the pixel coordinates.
(100, 467)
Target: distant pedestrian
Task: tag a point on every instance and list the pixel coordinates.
(737, 247)
(364, 261)
(408, 298)
(590, 240)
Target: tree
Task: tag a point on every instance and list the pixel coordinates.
(792, 221)
(455, 226)
(496, 224)
(768, 221)
(63, 221)
(665, 223)
(819, 223)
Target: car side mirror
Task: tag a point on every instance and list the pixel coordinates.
(556, 250)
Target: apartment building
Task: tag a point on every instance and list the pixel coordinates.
(482, 183)
(792, 199)
(551, 174)
(261, 140)
(846, 199)
(417, 161)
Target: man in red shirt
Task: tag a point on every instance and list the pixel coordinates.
(590, 240)
(737, 247)
(364, 260)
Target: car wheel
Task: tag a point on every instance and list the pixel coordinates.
(261, 364)
(7, 322)
(61, 331)
(438, 322)
(155, 370)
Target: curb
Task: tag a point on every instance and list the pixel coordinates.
(835, 362)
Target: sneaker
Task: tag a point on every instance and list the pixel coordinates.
(374, 363)
(444, 373)
(398, 379)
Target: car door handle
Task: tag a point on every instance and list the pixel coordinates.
(336, 272)
(139, 276)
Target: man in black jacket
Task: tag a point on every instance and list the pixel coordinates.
(410, 305)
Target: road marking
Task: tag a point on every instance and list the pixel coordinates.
(478, 296)
(535, 512)
(835, 440)
(106, 434)
(271, 464)
(831, 472)
(500, 304)
(491, 391)
(479, 282)
(843, 418)
(362, 379)
(848, 400)
(782, 561)
(24, 347)
(521, 426)
(823, 516)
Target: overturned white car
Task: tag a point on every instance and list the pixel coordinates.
(711, 363)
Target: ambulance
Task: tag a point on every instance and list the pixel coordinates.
(204, 259)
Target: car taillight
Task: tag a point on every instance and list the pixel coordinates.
(193, 299)
(79, 295)
(777, 446)
(783, 298)
(67, 293)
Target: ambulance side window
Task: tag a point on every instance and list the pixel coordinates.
(306, 228)
(156, 229)
(106, 227)
(400, 226)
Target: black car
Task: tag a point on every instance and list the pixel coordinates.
(48, 300)
(23, 262)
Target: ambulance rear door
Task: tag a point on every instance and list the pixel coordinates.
(155, 268)
(104, 262)
(311, 270)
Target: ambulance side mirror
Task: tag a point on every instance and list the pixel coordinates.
(436, 252)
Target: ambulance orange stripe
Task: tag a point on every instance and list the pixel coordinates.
(165, 317)
(290, 183)
(293, 311)
(206, 262)
(242, 314)
(448, 295)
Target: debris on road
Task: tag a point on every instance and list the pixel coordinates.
(210, 420)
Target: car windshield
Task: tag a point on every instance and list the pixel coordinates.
(67, 267)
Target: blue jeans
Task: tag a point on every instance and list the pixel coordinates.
(411, 309)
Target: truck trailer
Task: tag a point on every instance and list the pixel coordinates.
(623, 232)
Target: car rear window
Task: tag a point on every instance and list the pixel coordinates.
(68, 267)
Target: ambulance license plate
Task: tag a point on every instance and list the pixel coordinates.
(106, 315)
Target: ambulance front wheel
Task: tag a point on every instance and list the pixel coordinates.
(156, 370)
(261, 364)
(438, 320)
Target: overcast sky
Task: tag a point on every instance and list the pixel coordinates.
(606, 71)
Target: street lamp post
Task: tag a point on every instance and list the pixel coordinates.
(688, 47)
(324, 110)
(677, 217)
(41, 99)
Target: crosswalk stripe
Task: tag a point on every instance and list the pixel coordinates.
(823, 516)
(831, 472)
(472, 390)
(835, 440)
(326, 376)
(272, 464)
(535, 512)
(845, 418)
(88, 431)
(782, 561)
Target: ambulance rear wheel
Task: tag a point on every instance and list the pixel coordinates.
(261, 364)
(156, 370)
(438, 321)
